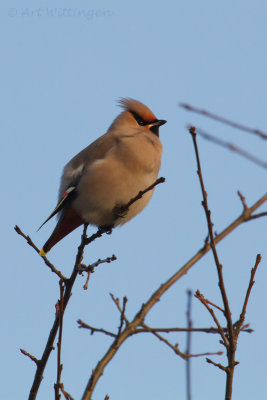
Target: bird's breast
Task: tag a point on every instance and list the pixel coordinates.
(139, 152)
(113, 181)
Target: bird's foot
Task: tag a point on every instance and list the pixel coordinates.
(107, 228)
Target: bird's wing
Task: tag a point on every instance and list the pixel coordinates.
(74, 170)
(67, 196)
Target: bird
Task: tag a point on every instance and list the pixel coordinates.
(109, 172)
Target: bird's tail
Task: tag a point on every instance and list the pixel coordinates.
(68, 221)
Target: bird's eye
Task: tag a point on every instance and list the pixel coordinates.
(139, 120)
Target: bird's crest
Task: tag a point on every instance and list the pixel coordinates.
(138, 108)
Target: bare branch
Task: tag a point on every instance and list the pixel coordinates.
(85, 286)
(216, 365)
(65, 394)
(214, 305)
(49, 345)
(224, 120)
(117, 303)
(200, 297)
(256, 216)
(60, 311)
(130, 328)
(148, 329)
(241, 320)
(232, 147)
(243, 199)
(98, 234)
(146, 307)
(122, 320)
(188, 345)
(34, 359)
(201, 330)
(120, 211)
(91, 268)
(231, 343)
(93, 329)
(46, 261)
(175, 347)
(227, 310)
(217, 353)
(245, 207)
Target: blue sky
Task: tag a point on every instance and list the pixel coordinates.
(64, 65)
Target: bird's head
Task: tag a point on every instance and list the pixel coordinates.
(137, 115)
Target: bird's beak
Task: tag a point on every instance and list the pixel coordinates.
(159, 122)
(154, 126)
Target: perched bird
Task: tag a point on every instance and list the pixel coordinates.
(109, 173)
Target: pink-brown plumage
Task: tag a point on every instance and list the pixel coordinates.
(135, 106)
(109, 172)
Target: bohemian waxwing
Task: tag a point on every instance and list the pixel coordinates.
(109, 173)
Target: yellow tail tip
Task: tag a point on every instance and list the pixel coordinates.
(42, 253)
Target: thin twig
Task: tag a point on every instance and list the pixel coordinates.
(46, 261)
(93, 329)
(34, 359)
(216, 365)
(260, 215)
(188, 345)
(148, 329)
(98, 234)
(212, 241)
(117, 303)
(91, 268)
(232, 147)
(85, 286)
(201, 330)
(217, 353)
(122, 319)
(175, 347)
(231, 343)
(214, 305)
(120, 211)
(243, 199)
(60, 311)
(65, 394)
(224, 120)
(200, 297)
(241, 320)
